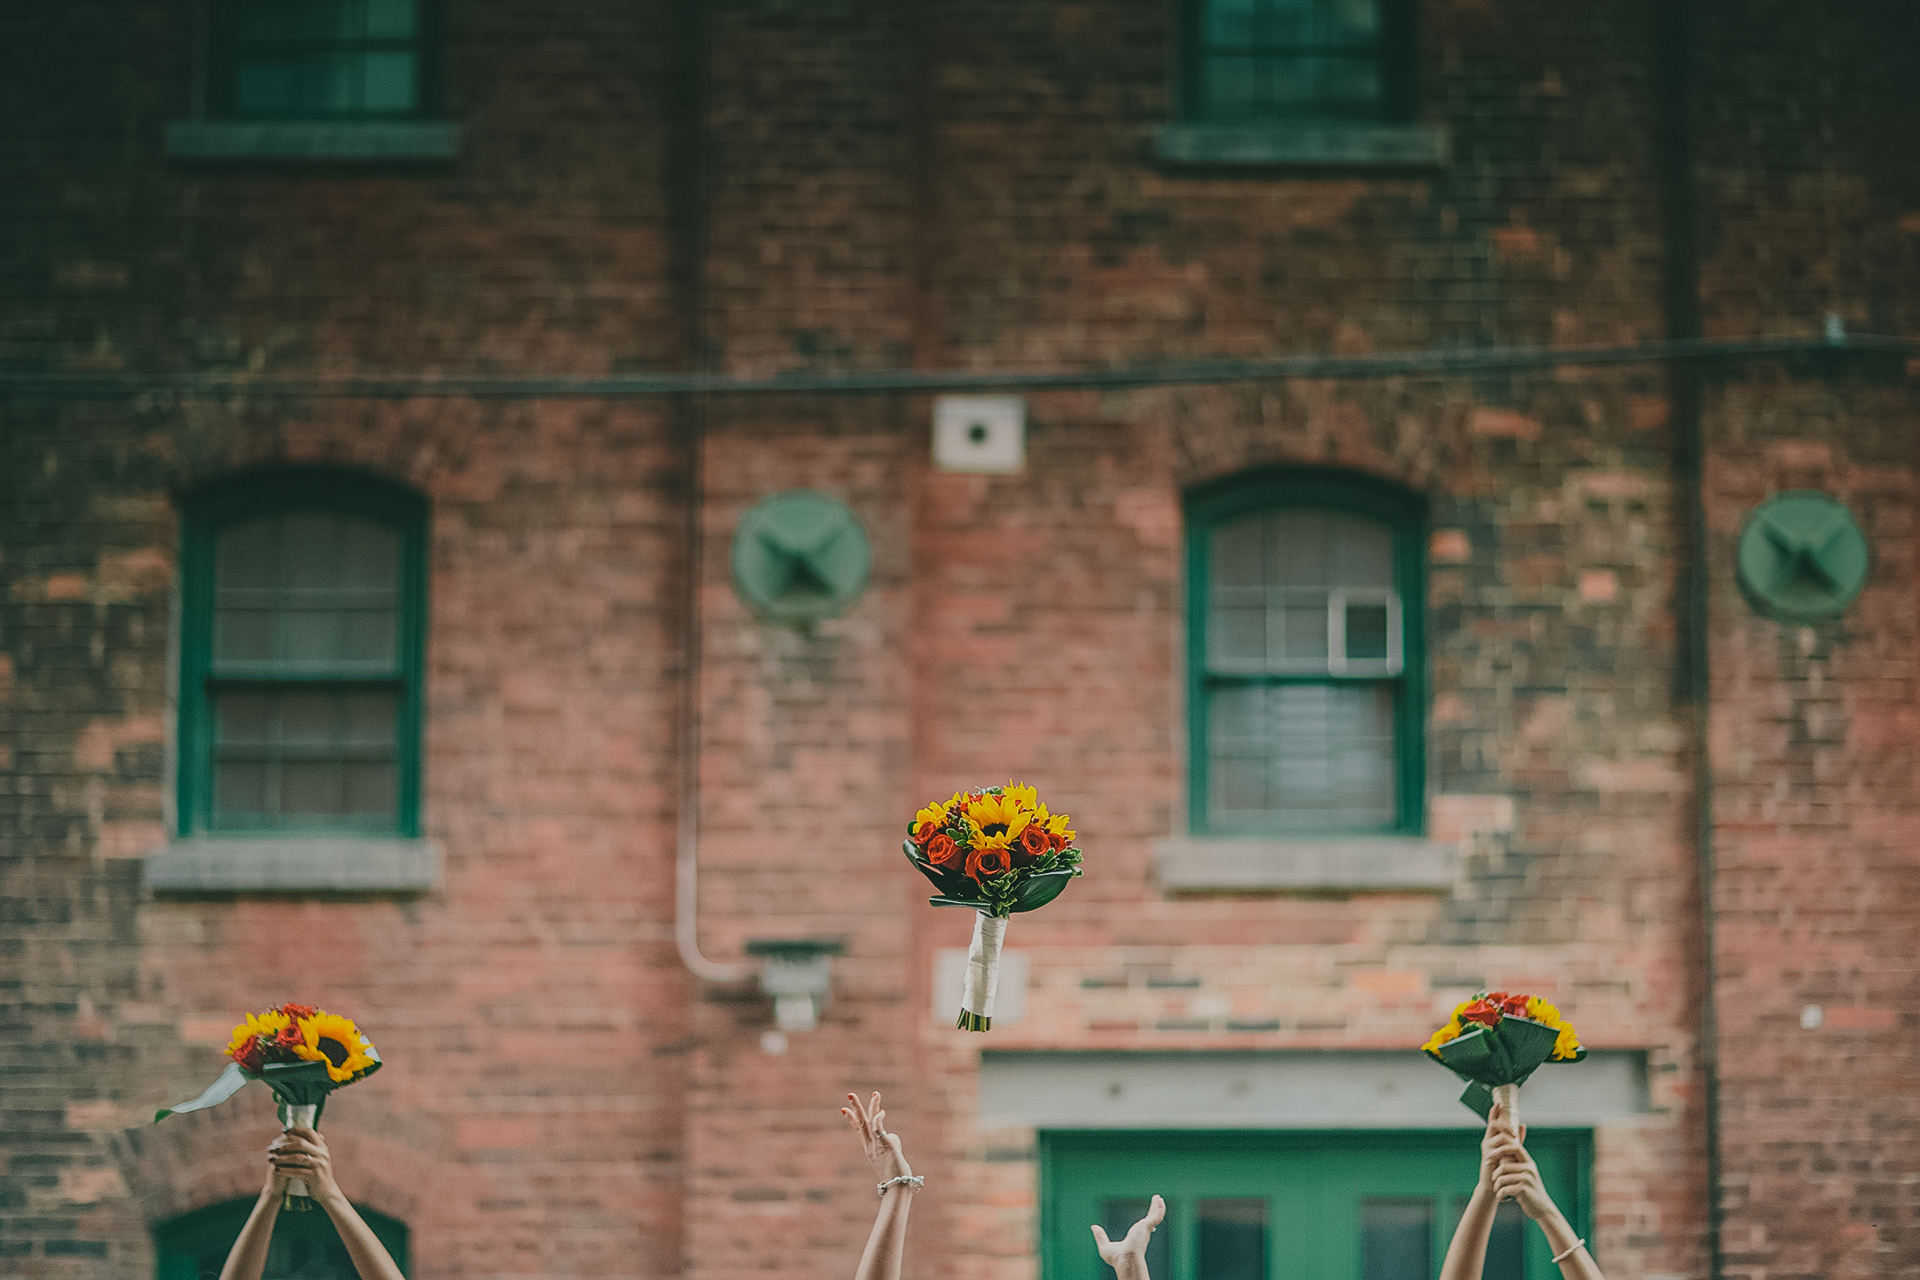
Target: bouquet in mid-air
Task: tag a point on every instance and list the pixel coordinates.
(301, 1053)
(998, 850)
(1495, 1041)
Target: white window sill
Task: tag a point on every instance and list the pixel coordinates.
(1306, 144)
(294, 864)
(313, 139)
(1189, 864)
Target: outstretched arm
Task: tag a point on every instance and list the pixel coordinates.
(1468, 1252)
(302, 1153)
(888, 1241)
(1128, 1255)
(1518, 1178)
(249, 1253)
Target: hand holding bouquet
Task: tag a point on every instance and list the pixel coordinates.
(302, 1054)
(998, 850)
(1495, 1041)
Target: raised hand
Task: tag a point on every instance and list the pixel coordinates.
(302, 1153)
(1128, 1255)
(869, 1120)
(1518, 1179)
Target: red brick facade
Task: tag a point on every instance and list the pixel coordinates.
(970, 187)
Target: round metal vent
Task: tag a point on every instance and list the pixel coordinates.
(1802, 557)
(800, 556)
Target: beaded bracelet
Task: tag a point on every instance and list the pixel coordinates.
(1570, 1250)
(914, 1180)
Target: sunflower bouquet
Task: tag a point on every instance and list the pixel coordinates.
(998, 850)
(1495, 1041)
(302, 1054)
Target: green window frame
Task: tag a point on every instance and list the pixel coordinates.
(1258, 61)
(1276, 1205)
(391, 681)
(337, 60)
(194, 1245)
(1400, 679)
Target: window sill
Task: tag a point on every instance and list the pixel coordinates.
(1306, 144)
(313, 140)
(1336, 864)
(294, 864)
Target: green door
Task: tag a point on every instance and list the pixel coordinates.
(1293, 1206)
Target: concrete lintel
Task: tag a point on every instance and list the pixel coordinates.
(1195, 863)
(294, 864)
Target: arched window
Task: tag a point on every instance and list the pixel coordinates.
(1304, 655)
(305, 1246)
(303, 595)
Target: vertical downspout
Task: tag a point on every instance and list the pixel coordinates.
(687, 211)
(1680, 289)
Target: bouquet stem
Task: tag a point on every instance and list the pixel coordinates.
(983, 972)
(298, 1198)
(1508, 1096)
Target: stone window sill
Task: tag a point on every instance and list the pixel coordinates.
(1306, 144)
(1196, 864)
(373, 140)
(294, 864)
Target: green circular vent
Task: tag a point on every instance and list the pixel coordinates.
(799, 556)
(1802, 557)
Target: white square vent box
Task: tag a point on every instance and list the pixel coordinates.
(980, 433)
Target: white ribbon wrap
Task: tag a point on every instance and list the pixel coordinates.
(297, 1118)
(1508, 1096)
(983, 972)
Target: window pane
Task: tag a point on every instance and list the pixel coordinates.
(1283, 564)
(1367, 632)
(1117, 1218)
(304, 758)
(1396, 1239)
(1232, 1239)
(326, 58)
(311, 592)
(1317, 757)
(1290, 59)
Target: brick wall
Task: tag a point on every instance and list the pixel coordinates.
(955, 186)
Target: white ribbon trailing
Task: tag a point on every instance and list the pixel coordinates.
(983, 972)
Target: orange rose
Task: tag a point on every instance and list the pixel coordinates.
(1485, 1012)
(1034, 843)
(944, 851)
(924, 832)
(984, 864)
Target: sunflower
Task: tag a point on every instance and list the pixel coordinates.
(1022, 795)
(993, 822)
(1543, 1011)
(1055, 825)
(336, 1041)
(264, 1025)
(1449, 1032)
(1567, 1046)
(932, 818)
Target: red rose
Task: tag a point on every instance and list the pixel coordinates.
(249, 1055)
(944, 851)
(984, 864)
(924, 832)
(1034, 843)
(298, 1010)
(1485, 1012)
(1512, 1006)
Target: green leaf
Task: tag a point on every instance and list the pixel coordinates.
(228, 1083)
(298, 1084)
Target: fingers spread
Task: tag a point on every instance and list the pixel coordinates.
(1100, 1236)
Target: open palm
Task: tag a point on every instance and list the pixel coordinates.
(1131, 1249)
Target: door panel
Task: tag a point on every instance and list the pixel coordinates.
(1292, 1206)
